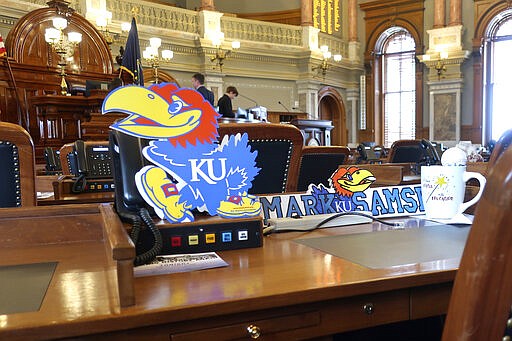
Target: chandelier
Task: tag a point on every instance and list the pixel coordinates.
(150, 54)
(63, 45)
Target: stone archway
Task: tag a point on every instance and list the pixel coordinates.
(332, 108)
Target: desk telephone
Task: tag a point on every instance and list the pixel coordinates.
(89, 160)
(127, 160)
(53, 165)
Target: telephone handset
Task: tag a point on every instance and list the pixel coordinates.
(127, 160)
(366, 154)
(89, 160)
(53, 165)
(431, 155)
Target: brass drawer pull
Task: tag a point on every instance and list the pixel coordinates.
(368, 308)
(254, 331)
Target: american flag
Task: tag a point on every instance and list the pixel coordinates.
(2, 47)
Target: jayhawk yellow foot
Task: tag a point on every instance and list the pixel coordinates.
(236, 206)
(162, 194)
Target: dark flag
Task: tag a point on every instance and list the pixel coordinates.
(131, 57)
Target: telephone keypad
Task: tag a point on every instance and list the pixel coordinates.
(101, 163)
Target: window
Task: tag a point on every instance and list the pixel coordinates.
(399, 85)
(498, 73)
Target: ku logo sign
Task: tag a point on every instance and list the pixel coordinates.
(209, 176)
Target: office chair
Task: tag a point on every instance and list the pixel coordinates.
(64, 154)
(317, 164)
(17, 167)
(413, 151)
(367, 154)
(503, 143)
(481, 298)
(279, 147)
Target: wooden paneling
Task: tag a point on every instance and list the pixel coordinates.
(32, 70)
(290, 17)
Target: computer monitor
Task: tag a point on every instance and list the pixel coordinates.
(95, 85)
(241, 113)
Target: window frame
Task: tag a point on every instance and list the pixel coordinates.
(383, 42)
(489, 40)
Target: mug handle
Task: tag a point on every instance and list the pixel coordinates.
(481, 179)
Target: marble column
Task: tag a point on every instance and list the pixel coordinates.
(353, 43)
(455, 12)
(306, 12)
(207, 5)
(352, 20)
(439, 13)
(352, 107)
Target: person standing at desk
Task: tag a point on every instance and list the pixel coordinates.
(198, 84)
(224, 103)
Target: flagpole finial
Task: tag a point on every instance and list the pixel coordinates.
(135, 11)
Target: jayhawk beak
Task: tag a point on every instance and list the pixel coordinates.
(150, 115)
(356, 181)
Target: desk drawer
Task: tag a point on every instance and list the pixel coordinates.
(255, 329)
(430, 300)
(311, 320)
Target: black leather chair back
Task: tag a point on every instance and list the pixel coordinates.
(318, 163)
(279, 147)
(10, 188)
(17, 167)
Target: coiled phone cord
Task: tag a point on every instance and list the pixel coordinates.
(156, 249)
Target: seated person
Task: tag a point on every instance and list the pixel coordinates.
(224, 103)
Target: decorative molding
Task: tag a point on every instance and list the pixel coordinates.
(264, 32)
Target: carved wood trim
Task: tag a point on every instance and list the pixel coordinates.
(34, 68)
(26, 45)
(163, 77)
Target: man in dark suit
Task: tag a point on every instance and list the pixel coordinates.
(224, 103)
(198, 84)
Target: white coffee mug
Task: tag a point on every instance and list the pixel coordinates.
(443, 189)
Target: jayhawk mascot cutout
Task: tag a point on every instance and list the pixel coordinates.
(190, 169)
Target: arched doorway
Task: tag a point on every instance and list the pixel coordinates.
(332, 108)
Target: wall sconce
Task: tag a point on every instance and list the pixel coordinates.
(151, 55)
(439, 64)
(63, 45)
(221, 54)
(324, 66)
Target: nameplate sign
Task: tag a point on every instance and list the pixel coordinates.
(350, 191)
(382, 202)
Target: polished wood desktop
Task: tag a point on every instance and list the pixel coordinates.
(78, 198)
(283, 290)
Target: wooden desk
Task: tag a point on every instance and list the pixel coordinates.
(79, 198)
(390, 174)
(60, 119)
(288, 290)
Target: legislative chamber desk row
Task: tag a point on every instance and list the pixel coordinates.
(286, 289)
